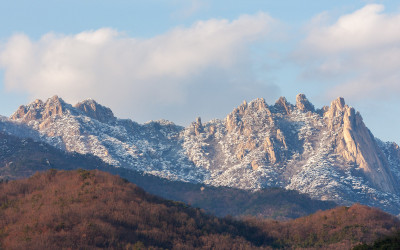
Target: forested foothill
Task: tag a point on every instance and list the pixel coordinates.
(83, 209)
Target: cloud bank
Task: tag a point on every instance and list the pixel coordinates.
(196, 68)
(360, 51)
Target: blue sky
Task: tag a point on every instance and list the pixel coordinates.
(180, 59)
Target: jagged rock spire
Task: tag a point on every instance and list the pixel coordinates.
(355, 143)
(283, 105)
(303, 104)
(198, 126)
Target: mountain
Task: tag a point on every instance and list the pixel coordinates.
(328, 153)
(83, 209)
(21, 158)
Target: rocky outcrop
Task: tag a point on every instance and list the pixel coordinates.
(253, 126)
(94, 110)
(283, 105)
(269, 148)
(198, 127)
(303, 104)
(41, 111)
(27, 114)
(356, 144)
(242, 118)
(54, 106)
(233, 120)
(38, 110)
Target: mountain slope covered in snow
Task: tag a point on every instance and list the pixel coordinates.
(327, 153)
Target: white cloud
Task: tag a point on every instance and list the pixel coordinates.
(359, 54)
(363, 29)
(142, 78)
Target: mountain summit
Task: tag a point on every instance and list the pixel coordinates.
(328, 153)
(96, 111)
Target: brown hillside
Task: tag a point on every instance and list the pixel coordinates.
(338, 228)
(91, 209)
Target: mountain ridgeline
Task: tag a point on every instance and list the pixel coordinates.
(328, 153)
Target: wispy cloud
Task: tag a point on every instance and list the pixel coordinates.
(362, 49)
(143, 78)
(189, 8)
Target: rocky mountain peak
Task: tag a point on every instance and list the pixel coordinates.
(283, 105)
(198, 120)
(198, 126)
(94, 110)
(303, 104)
(356, 144)
(258, 104)
(339, 102)
(37, 110)
(244, 116)
(55, 98)
(38, 103)
(334, 114)
(337, 107)
(53, 106)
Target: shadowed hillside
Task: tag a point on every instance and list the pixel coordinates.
(388, 242)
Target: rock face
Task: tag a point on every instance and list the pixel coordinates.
(94, 110)
(357, 145)
(41, 113)
(327, 153)
(39, 110)
(303, 104)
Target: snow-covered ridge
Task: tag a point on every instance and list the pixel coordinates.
(327, 153)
